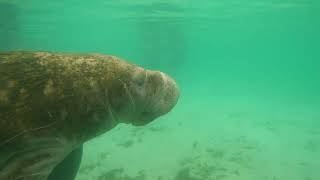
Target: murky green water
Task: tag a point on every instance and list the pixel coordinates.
(248, 70)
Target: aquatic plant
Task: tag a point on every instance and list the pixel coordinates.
(119, 174)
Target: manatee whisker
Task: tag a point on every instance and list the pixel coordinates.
(109, 109)
(129, 94)
(148, 105)
(114, 119)
(153, 103)
(157, 98)
(111, 112)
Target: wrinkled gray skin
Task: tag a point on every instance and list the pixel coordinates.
(50, 103)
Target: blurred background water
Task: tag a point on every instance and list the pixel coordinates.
(248, 71)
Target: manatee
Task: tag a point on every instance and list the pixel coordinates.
(51, 103)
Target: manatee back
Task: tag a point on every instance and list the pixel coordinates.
(54, 94)
(21, 82)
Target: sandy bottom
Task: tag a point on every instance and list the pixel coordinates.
(212, 139)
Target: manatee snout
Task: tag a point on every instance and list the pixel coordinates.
(163, 96)
(155, 94)
(168, 94)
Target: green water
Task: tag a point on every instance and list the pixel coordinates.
(248, 71)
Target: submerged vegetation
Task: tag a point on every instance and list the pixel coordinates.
(119, 174)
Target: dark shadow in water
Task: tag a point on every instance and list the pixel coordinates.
(8, 26)
(162, 39)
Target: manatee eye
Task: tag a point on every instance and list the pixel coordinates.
(140, 82)
(145, 113)
(140, 78)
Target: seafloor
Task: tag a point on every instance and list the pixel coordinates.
(210, 138)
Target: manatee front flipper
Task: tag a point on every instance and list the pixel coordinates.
(68, 168)
(31, 160)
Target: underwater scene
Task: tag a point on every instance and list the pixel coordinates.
(248, 73)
